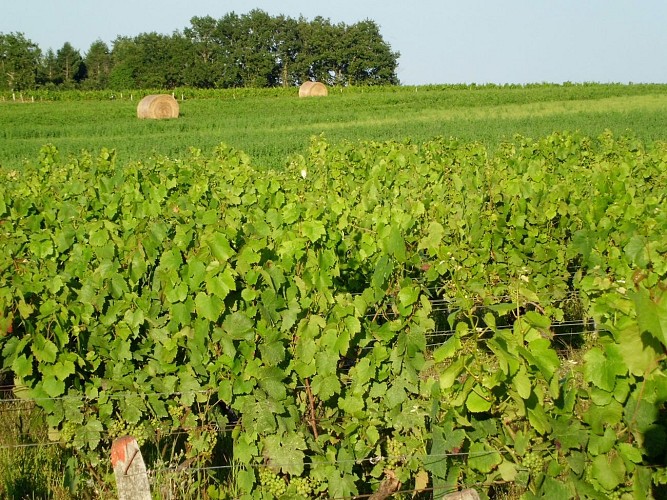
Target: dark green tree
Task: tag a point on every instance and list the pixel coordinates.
(204, 64)
(125, 61)
(249, 50)
(98, 65)
(255, 50)
(154, 61)
(364, 58)
(149, 61)
(230, 35)
(287, 47)
(48, 69)
(179, 59)
(70, 68)
(19, 62)
(317, 59)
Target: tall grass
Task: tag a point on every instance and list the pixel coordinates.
(272, 126)
(30, 467)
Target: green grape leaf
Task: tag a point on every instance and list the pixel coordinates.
(522, 383)
(220, 247)
(602, 368)
(395, 395)
(132, 408)
(433, 239)
(88, 435)
(479, 400)
(325, 386)
(383, 269)
(483, 458)
(44, 350)
(239, 327)
(209, 307)
(52, 386)
(22, 366)
(630, 453)
(608, 470)
(508, 471)
(313, 230)
(285, 453)
(447, 350)
(557, 490)
(394, 244)
(651, 314)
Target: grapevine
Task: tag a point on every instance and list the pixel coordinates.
(447, 314)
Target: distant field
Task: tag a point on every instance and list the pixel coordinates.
(274, 124)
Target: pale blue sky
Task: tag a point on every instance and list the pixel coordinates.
(440, 41)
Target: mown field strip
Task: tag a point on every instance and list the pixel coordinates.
(652, 103)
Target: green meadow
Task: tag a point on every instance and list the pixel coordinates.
(274, 124)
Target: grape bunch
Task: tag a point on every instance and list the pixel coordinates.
(116, 428)
(176, 412)
(142, 431)
(270, 480)
(302, 486)
(534, 462)
(395, 452)
(67, 432)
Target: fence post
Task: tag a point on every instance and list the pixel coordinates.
(130, 470)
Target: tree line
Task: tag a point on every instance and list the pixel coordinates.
(248, 50)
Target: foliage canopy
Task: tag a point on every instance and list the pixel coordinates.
(247, 50)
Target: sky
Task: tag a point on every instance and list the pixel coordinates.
(440, 41)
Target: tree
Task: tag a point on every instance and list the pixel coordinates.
(46, 75)
(365, 58)
(287, 47)
(70, 67)
(249, 50)
(19, 62)
(317, 58)
(204, 63)
(152, 63)
(125, 60)
(98, 65)
(257, 63)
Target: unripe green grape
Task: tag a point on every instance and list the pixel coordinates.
(395, 452)
(302, 486)
(274, 484)
(534, 462)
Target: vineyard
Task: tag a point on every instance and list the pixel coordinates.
(414, 318)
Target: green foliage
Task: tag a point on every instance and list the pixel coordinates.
(376, 310)
(252, 50)
(19, 61)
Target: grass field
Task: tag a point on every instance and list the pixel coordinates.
(270, 126)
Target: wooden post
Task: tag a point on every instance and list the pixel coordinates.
(130, 470)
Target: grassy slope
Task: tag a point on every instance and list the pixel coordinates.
(270, 128)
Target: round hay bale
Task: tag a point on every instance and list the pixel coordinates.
(305, 88)
(313, 89)
(158, 106)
